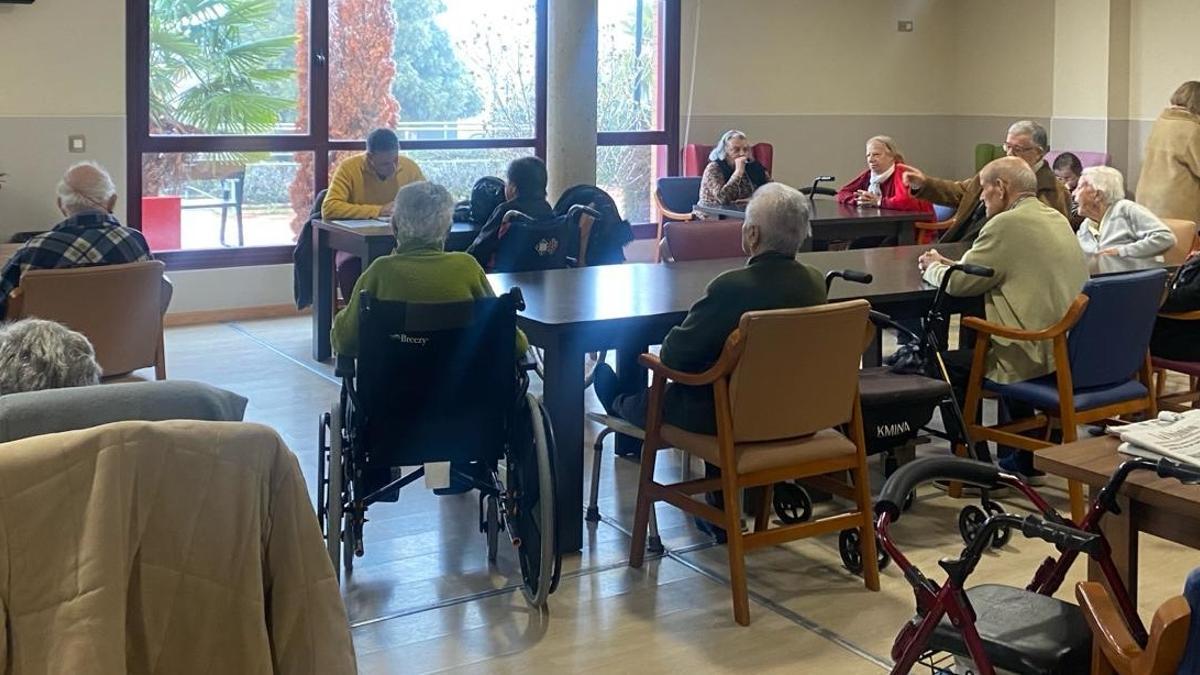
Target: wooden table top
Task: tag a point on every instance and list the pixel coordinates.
(1092, 461)
(828, 212)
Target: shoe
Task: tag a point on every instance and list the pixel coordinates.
(452, 489)
(717, 533)
(1015, 463)
(606, 385)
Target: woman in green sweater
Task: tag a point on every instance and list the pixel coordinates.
(419, 270)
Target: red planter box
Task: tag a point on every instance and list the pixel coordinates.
(161, 218)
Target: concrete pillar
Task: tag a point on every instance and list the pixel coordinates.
(572, 41)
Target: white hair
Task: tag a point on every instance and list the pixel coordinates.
(421, 215)
(780, 213)
(718, 151)
(85, 190)
(1032, 129)
(36, 354)
(1107, 180)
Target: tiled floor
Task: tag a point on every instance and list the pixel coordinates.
(424, 598)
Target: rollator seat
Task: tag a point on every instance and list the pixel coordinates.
(881, 387)
(1022, 631)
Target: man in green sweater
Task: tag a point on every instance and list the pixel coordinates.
(775, 227)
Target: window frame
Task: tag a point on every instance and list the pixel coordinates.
(139, 140)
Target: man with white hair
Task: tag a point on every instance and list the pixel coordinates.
(1039, 269)
(777, 223)
(90, 235)
(1114, 225)
(1026, 140)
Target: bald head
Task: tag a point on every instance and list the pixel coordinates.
(86, 187)
(1004, 181)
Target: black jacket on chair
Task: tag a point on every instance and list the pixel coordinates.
(302, 257)
(1174, 339)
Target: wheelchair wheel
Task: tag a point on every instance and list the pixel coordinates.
(529, 508)
(333, 521)
(349, 542)
(848, 547)
(322, 458)
(792, 503)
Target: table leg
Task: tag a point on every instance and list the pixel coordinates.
(563, 394)
(632, 376)
(1122, 536)
(322, 311)
(905, 234)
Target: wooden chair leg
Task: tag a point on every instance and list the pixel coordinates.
(1160, 382)
(866, 531)
(737, 549)
(1074, 488)
(762, 518)
(160, 360)
(641, 518)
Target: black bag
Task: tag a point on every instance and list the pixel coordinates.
(610, 232)
(1183, 294)
(486, 195)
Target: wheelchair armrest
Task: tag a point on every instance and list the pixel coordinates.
(344, 366)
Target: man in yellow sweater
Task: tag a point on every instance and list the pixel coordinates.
(364, 187)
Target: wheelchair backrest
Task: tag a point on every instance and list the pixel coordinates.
(544, 245)
(438, 381)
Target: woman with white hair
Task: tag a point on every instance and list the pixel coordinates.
(36, 354)
(881, 185)
(732, 174)
(1114, 225)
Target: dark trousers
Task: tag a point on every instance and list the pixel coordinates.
(958, 367)
(348, 270)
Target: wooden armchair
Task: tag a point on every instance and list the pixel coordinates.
(1114, 650)
(783, 381)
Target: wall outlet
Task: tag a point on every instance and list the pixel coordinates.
(904, 26)
(76, 143)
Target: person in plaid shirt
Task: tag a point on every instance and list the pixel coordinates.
(91, 234)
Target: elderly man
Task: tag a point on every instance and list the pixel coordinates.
(1040, 268)
(363, 187)
(90, 235)
(1026, 140)
(775, 226)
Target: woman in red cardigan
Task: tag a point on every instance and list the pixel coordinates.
(881, 185)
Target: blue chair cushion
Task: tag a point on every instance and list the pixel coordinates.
(1042, 393)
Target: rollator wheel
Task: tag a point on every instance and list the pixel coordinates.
(792, 503)
(492, 525)
(848, 547)
(529, 506)
(970, 522)
(1004, 533)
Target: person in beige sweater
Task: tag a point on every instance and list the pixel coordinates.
(1039, 270)
(1169, 184)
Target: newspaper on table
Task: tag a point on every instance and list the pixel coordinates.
(1173, 435)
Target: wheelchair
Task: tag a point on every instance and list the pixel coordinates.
(527, 245)
(433, 383)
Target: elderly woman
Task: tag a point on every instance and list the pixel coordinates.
(419, 270)
(1170, 180)
(732, 175)
(1114, 225)
(881, 185)
(36, 354)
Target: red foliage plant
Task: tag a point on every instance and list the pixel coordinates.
(361, 70)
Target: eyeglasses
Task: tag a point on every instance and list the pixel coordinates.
(1017, 149)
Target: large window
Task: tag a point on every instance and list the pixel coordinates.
(240, 109)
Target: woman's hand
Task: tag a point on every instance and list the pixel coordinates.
(864, 198)
(1109, 251)
(739, 164)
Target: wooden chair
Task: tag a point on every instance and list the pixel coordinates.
(943, 219)
(1113, 648)
(1102, 369)
(1185, 240)
(704, 239)
(118, 307)
(674, 197)
(784, 378)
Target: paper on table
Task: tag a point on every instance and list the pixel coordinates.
(1177, 437)
(370, 222)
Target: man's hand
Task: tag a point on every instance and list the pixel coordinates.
(1109, 251)
(914, 178)
(385, 210)
(932, 257)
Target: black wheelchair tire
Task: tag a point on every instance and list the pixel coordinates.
(848, 547)
(538, 570)
(492, 526)
(791, 502)
(322, 458)
(333, 520)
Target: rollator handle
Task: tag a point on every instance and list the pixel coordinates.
(925, 469)
(1068, 538)
(849, 275)
(582, 208)
(1188, 475)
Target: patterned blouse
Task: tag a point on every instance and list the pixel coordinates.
(715, 190)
